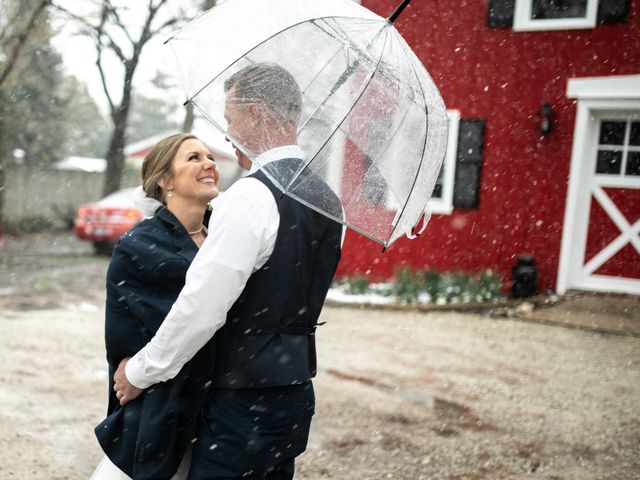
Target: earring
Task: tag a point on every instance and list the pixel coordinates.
(170, 194)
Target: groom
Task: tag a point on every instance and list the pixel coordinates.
(259, 280)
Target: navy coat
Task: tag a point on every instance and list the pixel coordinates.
(148, 437)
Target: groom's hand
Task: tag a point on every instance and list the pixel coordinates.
(125, 392)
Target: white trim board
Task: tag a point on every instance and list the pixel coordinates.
(615, 87)
(444, 204)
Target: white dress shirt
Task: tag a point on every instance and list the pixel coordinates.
(242, 234)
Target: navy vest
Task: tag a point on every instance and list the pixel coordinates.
(268, 338)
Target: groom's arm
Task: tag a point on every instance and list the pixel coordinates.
(241, 236)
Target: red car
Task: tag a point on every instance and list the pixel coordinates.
(104, 221)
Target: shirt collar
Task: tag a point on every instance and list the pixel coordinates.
(278, 153)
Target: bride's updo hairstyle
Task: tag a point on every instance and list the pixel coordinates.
(159, 163)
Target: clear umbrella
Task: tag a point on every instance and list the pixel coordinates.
(339, 81)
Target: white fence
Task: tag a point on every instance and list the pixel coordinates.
(39, 193)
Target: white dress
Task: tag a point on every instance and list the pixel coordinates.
(108, 471)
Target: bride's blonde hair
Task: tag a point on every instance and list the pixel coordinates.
(159, 163)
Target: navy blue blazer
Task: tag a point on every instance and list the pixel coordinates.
(148, 437)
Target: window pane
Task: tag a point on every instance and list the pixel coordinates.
(375, 187)
(612, 133)
(633, 163)
(635, 134)
(608, 161)
(543, 9)
(437, 188)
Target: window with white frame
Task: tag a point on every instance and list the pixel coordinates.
(530, 15)
(619, 147)
(442, 199)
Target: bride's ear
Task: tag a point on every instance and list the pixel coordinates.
(166, 186)
(165, 183)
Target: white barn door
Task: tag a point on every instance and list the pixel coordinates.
(601, 236)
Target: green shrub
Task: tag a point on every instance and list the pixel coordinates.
(410, 286)
(356, 285)
(489, 285)
(432, 284)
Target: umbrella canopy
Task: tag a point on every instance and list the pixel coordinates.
(341, 82)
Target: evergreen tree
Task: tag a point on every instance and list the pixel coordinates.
(34, 109)
(150, 116)
(87, 129)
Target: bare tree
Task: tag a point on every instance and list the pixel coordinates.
(14, 34)
(111, 33)
(189, 116)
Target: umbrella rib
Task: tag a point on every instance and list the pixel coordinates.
(387, 71)
(401, 123)
(341, 40)
(244, 55)
(424, 147)
(382, 67)
(328, 215)
(364, 88)
(338, 84)
(191, 22)
(336, 35)
(304, 90)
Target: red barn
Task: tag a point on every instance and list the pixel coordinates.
(544, 154)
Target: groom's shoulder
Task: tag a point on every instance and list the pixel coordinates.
(247, 187)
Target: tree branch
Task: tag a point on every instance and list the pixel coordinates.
(118, 22)
(11, 22)
(97, 32)
(169, 23)
(147, 33)
(21, 40)
(98, 42)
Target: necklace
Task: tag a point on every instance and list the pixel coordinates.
(196, 231)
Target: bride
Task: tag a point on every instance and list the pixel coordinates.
(149, 437)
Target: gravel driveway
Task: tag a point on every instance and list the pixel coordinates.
(401, 395)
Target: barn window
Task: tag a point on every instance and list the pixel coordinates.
(529, 15)
(554, 14)
(441, 201)
(619, 147)
(442, 198)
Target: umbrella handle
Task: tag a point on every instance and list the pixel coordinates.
(396, 13)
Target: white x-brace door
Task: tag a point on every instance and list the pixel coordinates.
(601, 236)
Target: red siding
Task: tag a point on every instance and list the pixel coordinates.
(602, 231)
(503, 77)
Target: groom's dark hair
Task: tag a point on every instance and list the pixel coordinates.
(270, 85)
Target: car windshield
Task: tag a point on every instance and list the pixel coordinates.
(120, 198)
